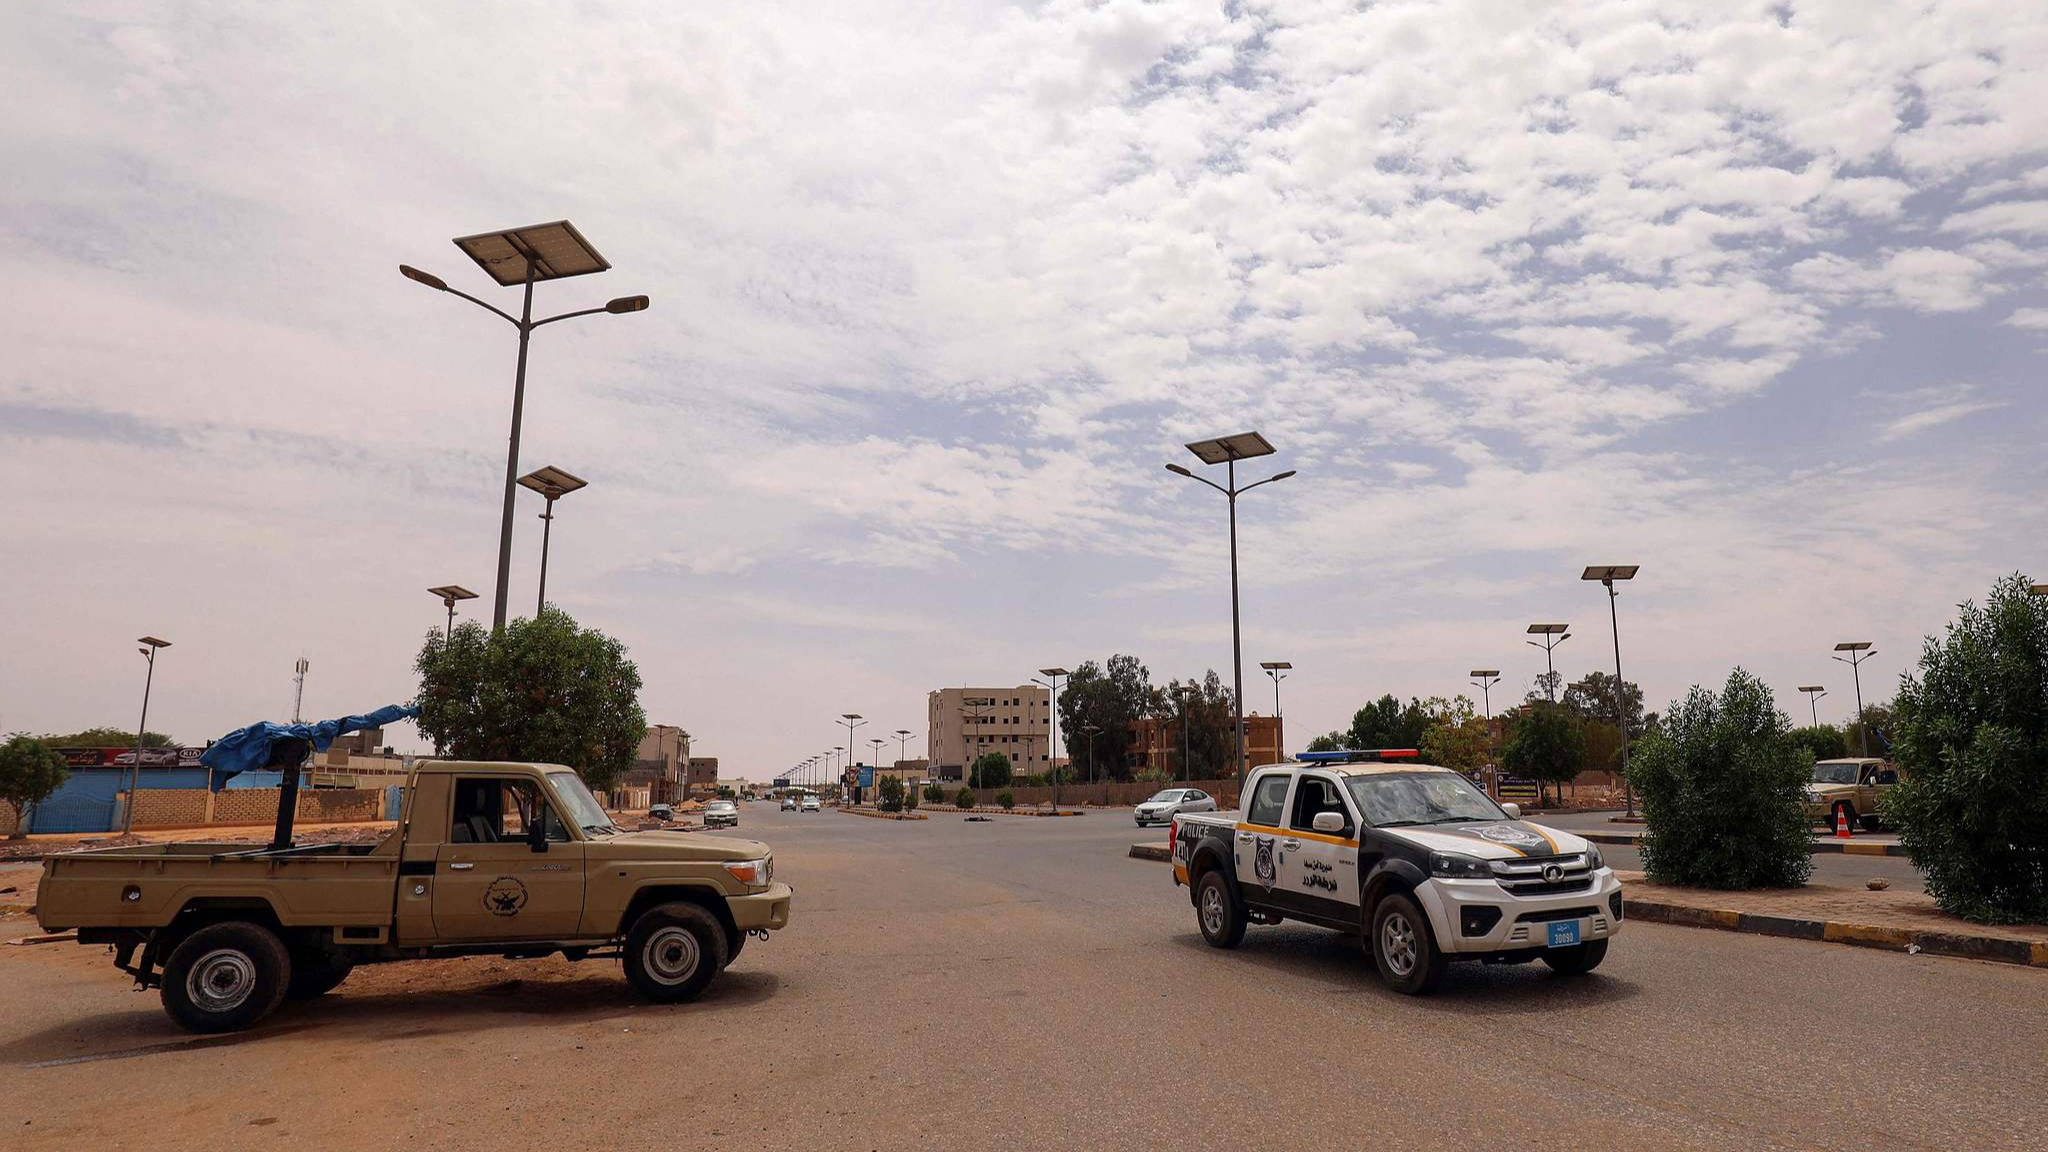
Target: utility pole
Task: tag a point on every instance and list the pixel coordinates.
(299, 691)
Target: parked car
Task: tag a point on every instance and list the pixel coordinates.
(1170, 803)
(811, 804)
(721, 814)
(1851, 787)
(1414, 860)
(661, 812)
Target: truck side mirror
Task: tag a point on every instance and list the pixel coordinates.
(1331, 822)
(1514, 811)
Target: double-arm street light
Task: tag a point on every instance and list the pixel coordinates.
(1052, 719)
(1277, 669)
(525, 256)
(852, 720)
(1228, 450)
(1607, 574)
(1484, 679)
(1858, 651)
(1813, 694)
(1553, 635)
(902, 742)
(149, 649)
(553, 484)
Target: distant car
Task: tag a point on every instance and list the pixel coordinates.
(721, 814)
(661, 812)
(1170, 803)
(789, 803)
(1849, 787)
(810, 804)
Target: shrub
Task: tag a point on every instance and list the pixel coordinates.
(1152, 776)
(990, 770)
(1721, 785)
(1972, 740)
(909, 798)
(1006, 798)
(1548, 745)
(934, 792)
(889, 794)
(964, 798)
(1824, 742)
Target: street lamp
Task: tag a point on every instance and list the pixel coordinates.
(1813, 694)
(851, 720)
(1052, 738)
(553, 484)
(1858, 651)
(150, 644)
(1484, 679)
(1607, 574)
(525, 256)
(878, 741)
(1228, 450)
(449, 594)
(1090, 730)
(1553, 635)
(1277, 669)
(902, 742)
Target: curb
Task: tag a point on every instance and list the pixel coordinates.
(884, 815)
(2029, 953)
(1150, 852)
(1820, 847)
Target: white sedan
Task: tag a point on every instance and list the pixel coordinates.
(810, 803)
(1170, 803)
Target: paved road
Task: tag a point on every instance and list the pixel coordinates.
(1023, 984)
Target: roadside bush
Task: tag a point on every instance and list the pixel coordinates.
(1972, 744)
(889, 794)
(1824, 742)
(1152, 776)
(934, 792)
(990, 770)
(1006, 798)
(909, 798)
(1721, 785)
(1548, 745)
(964, 798)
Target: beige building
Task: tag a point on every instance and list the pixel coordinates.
(701, 775)
(967, 722)
(661, 762)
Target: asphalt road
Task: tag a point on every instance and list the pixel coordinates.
(1023, 984)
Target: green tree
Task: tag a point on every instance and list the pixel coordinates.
(1328, 742)
(1098, 706)
(542, 690)
(934, 792)
(1457, 736)
(1386, 723)
(1548, 745)
(30, 769)
(1197, 717)
(107, 738)
(1972, 731)
(1823, 742)
(1592, 698)
(889, 794)
(1882, 722)
(1721, 786)
(990, 770)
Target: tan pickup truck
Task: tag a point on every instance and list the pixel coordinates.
(513, 860)
(1849, 787)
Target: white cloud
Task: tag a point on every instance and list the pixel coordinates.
(1931, 408)
(2034, 318)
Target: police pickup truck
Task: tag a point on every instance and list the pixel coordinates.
(1415, 858)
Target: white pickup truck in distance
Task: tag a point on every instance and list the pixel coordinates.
(1414, 858)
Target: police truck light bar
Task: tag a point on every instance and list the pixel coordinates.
(1345, 755)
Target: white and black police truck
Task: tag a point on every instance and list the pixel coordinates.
(1416, 859)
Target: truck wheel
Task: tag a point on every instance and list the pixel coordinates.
(225, 977)
(1404, 948)
(737, 941)
(1576, 959)
(1842, 811)
(673, 951)
(1871, 824)
(1216, 908)
(315, 974)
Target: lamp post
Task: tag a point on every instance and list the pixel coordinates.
(851, 720)
(449, 594)
(970, 714)
(1090, 730)
(902, 741)
(1052, 719)
(1484, 679)
(299, 686)
(150, 645)
(1187, 746)
(1228, 450)
(1553, 635)
(878, 741)
(553, 484)
(1858, 651)
(1813, 694)
(525, 256)
(1277, 669)
(1607, 574)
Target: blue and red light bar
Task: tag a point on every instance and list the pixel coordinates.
(1346, 755)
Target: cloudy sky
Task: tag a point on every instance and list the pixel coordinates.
(1752, 294)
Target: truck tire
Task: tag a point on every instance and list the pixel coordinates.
(1576, 959)
(1842, 810)
(315, 974)
(1872, 824)
(673, 951)
(734, 943)
(1404, 948)
(225, 977)
(1221, 917)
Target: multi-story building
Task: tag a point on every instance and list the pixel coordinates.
(1156, 743)
(967, 722)
(660, 762)
(700, 775)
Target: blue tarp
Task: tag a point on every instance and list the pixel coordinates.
(249, 748)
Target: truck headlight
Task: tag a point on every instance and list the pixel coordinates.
(1452, 866)
(752, 873)
(1593, 859)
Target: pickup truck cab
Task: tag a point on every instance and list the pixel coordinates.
(1413, 857)
(515, 860)
(1849, 789)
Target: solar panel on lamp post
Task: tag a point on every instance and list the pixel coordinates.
(1052, 719)
(1484, 680)
(525, 256)
(852, 720)
(1813, 694)
(553, 484)
(1228, 450)
(149, 649)
(1277, 669)
(1553, 635)
(1607, 574)
(1858, 651)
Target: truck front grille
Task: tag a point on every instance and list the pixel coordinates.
(1544, 875)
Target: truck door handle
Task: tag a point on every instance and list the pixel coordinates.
(1290, 844)
(460, 867)
(1244, 837)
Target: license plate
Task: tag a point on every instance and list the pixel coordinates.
(1564, 933)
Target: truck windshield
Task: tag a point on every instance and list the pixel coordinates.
(1834, 773)
(583, 808)
(1395, 798)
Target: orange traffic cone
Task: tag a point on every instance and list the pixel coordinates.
(1842, 825)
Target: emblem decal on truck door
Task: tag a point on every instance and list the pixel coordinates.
(505, 897)
(1262, 861)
